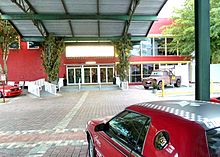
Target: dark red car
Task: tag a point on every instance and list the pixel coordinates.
(158, 129)
(10, 91)
(215, 99)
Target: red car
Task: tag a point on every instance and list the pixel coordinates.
(215, 99)
(158, 129)
(10, 91)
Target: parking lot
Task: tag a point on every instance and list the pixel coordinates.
(54, 125)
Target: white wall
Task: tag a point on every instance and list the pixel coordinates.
(214, 72)
(183, 71)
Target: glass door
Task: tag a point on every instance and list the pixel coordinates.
(70, 76)
(110, 74)
(86, 75)
(78, 75)
(74, 74)
(103, 75)
(94, 76)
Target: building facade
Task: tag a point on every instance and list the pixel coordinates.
(24, 62)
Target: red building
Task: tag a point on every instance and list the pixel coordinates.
(24, 63)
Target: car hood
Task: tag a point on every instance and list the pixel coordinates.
(150, 78)
(7, 87)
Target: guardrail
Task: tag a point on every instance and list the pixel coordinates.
(34, 89)
(51, 88)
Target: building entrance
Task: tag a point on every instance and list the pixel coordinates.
(90, 75)
(86, 74)
(74, 75)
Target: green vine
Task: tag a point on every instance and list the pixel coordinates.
(53, 48)
(123, 47)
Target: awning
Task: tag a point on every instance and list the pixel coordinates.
(81, 20)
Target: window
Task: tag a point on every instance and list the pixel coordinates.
(171, 48)
(159, 46)
(33, 45)
(129, 129)
(14, 45)
(136, 50)
(147, 47)
(157, 73)
(147, 69)
(135, 73)
(213, 137)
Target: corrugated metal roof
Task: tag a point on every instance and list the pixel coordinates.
(81, 18)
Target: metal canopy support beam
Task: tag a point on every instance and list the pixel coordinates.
(1, 12)
(34, 16)
(202, 50)
(71, 39)
(132, 8)
(27, 8)
(66, 11)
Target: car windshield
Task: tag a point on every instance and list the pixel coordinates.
(157, 73)
(213, 137)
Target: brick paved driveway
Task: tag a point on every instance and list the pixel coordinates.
(54, 125)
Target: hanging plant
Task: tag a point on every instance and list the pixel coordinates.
(123, 47)
(53, 48)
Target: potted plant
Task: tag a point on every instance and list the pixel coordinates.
(155, 86)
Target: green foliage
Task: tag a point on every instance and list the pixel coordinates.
(154, 84)
(123, 47)
(183, 31)
(8, 35)
(53, 48)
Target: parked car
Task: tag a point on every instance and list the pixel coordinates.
(158, 129)
(158, 75)
(10, 91)
(215, 99)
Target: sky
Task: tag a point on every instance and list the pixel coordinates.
(167, 10)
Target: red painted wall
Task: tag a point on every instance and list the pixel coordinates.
(26, 65)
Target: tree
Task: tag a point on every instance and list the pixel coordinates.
(53, 47)
(8, 35)
(183, 31)
(123, 47)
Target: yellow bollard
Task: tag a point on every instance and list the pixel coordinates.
(211, 87)
(163, 91)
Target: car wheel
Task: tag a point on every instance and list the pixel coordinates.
(178, 83)
(159, 85)
(146, 87)
(91, 148)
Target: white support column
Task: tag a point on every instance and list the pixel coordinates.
(99, 78)
(141, 71)
(153, 47)
(82, 74)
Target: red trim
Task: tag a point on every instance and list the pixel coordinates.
(159, 58)
(83, 60)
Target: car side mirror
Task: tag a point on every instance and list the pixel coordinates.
(101, 127)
